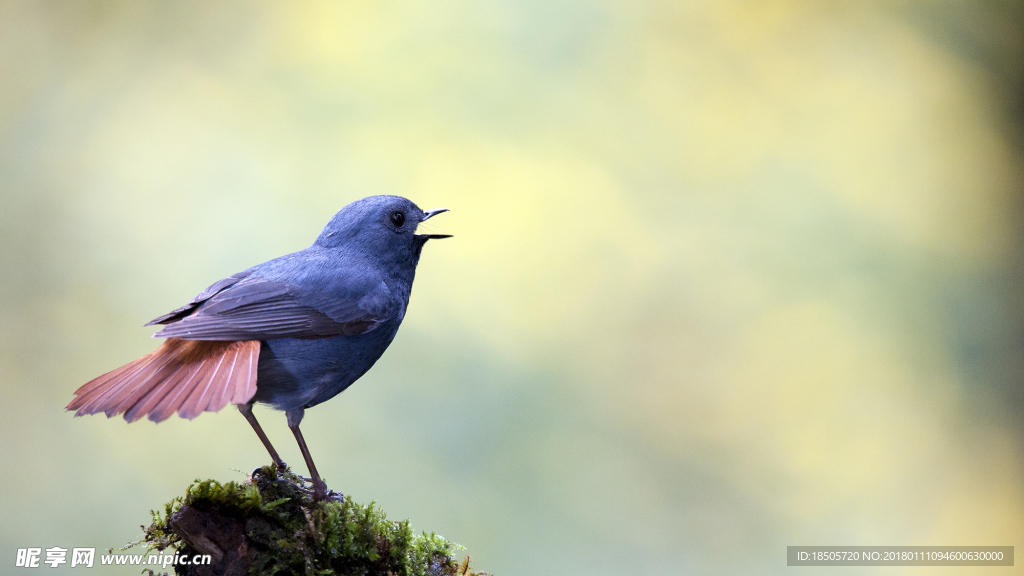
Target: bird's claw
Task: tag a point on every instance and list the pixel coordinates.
(321, 495)
(330, 495)
(318, 491)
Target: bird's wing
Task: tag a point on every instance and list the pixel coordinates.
(203, 296)
(254, 307)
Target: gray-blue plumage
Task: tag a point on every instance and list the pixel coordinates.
(324, 315)
(296, 373)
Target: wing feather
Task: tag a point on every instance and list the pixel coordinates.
(255, 308)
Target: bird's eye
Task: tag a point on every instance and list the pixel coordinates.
(397, 218)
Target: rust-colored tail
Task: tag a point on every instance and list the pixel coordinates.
(183, 376)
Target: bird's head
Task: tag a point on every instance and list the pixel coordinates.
(382, 225)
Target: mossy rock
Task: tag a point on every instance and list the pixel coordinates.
(270, 525)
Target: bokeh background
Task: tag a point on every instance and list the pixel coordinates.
(727, 276)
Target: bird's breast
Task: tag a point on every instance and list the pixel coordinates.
(301, 373)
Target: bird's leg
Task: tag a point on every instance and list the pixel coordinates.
(246, 410)
(319, 488)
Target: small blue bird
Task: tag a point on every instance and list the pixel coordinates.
(292, 332)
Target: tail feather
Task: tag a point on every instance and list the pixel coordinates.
(200, 397)
(245, 385)
(112, 386)
(148, 397)
(177, 392)
(129, 387)
(183, 376)
(238, 370)
(219, 395)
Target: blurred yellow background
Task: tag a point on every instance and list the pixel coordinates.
(726, 276)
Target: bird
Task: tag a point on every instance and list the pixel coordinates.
(290, 333)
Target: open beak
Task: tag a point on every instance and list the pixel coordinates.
(428, 215)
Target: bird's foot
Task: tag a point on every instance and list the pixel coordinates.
(312, 487)
(326, 495)
(319, 491)
(329, 495)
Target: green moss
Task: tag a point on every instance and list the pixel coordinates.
(271, 525)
